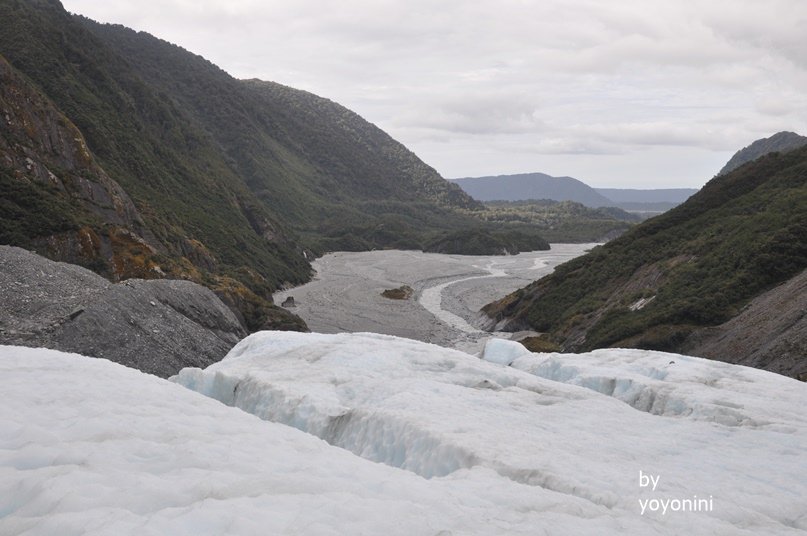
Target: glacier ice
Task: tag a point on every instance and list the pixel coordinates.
(502, 351)
(549, 421)
(467, 446)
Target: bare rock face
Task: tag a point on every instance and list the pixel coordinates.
(40, 144)
(41, 148)
(156, 326)
(770, 333)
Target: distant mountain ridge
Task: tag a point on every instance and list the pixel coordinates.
(779, 142)
(537, 186)
(525, 186)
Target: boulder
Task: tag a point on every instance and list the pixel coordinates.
(156, 326)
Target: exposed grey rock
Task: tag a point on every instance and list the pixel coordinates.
(156, 326)
(770, 333)
(288, 302)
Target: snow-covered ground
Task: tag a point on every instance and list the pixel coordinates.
(611, 442)
(345, 295)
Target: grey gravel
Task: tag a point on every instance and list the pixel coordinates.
(770, 333)
(156, 326)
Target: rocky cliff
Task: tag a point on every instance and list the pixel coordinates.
(57, 198)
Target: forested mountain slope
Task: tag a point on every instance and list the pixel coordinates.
(697, 265)
(779, 142)
(173, 168)
(321, 168)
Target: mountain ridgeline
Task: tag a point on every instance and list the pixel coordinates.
(539, 186)
(779, 142)
(531, 186)
(669, 281)
(136, 158)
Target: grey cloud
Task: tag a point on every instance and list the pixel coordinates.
(617, 80)
(477, 114)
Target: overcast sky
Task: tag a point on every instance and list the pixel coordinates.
(617, 93)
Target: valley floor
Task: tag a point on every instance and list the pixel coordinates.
(449, 290)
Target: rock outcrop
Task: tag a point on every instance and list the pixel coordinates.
(156, 326)
(90, 219)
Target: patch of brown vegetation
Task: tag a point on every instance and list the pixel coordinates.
(132, 257)
(404, 292)
(539, 344)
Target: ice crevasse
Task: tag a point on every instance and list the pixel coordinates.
(513, 443)
(580, 427)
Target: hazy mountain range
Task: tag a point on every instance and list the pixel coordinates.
(537, 186)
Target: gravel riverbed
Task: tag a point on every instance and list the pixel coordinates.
(449, 290)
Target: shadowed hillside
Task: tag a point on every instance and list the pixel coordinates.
(186, 172)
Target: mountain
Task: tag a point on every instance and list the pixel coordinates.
(320, 167)
(531, 186)
(694, 267)
(538, 186)
(779, 142)
(134, 157)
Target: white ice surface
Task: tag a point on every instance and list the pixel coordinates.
(503, 352)
(468, 446)
(707, 429)
(90, 447)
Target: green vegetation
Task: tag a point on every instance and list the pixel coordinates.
(701, 262)
(29, 210)
(235, 184)
(561, 221)
(170, 166)
(483, 242)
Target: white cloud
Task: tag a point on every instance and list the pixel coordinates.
(455, 80)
